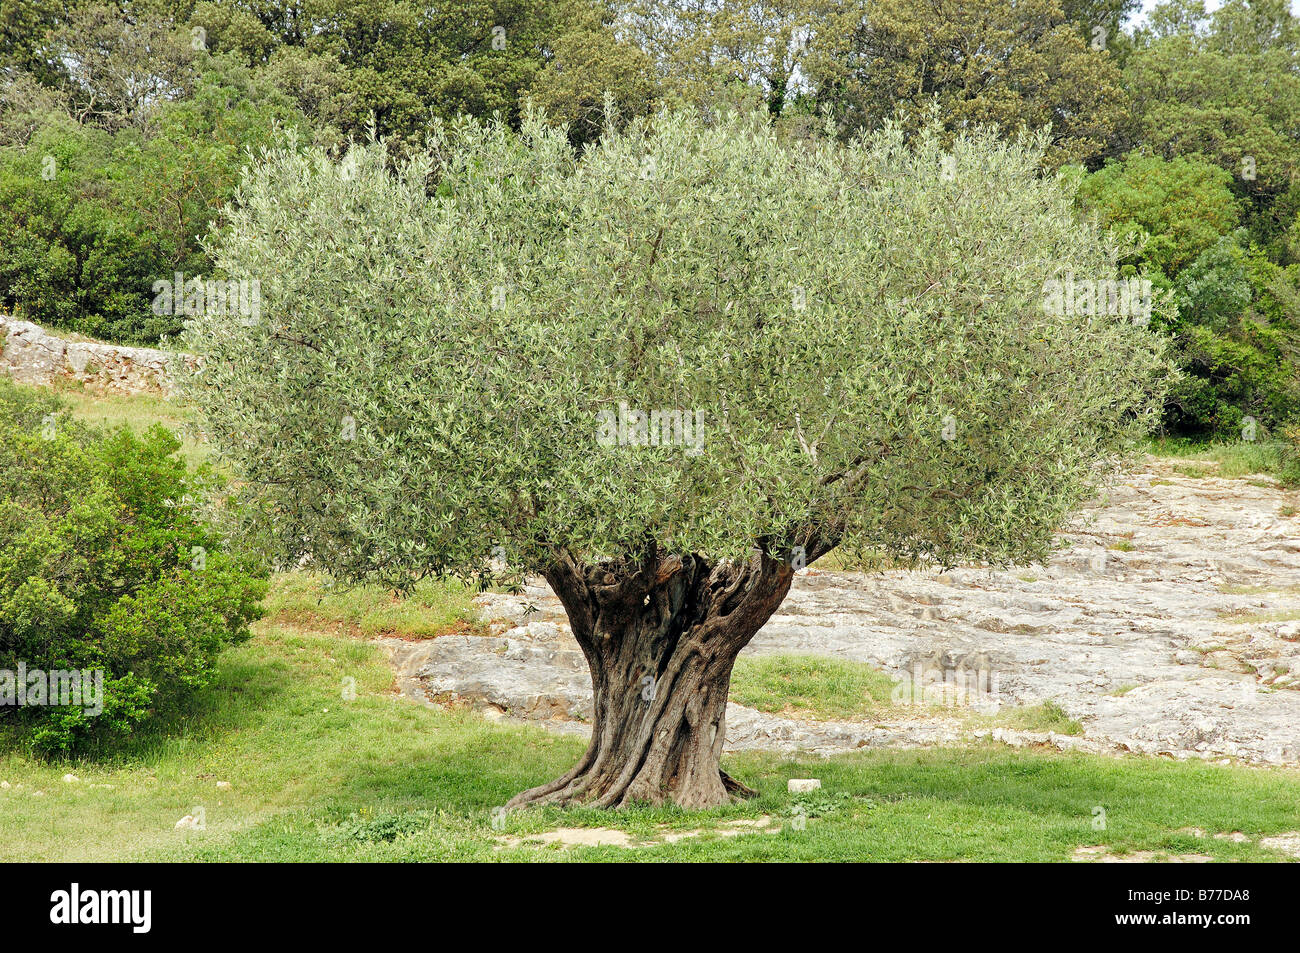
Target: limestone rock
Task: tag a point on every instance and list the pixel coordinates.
(1122, 649)
(32, 355)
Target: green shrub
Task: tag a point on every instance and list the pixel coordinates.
(107, 564)
(368, 828)
(1237, 332)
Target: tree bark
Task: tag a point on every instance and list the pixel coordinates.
(660, 638)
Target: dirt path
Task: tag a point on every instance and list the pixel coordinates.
(1170, 624)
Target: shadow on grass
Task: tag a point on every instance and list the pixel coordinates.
(237, 698)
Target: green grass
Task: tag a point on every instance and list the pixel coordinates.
(810, 686)
(318, 778)
(1231, 459)
(1045, 716)
(822, 689)
(305, 600)
(137, 412)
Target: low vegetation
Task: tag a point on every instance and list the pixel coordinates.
(434, 607)
(1230, 459)
(107, 565)
(810, 686)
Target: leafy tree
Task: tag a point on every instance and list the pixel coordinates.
(320, 86)
(1015, 66)
(1253, 26)
(399, 63)
(24, 26)
(1236, 331)
(586, 68)
(118, 67)
(1183, 206)
(705, 51)
(1222, 95)
(90, 219)
(70, 257)
(25, 105)
(1101, 23)
(227, 27)
(833, 346)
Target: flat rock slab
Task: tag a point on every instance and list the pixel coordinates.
(1168, 623)
(568, 837)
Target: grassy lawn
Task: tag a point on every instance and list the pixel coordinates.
(304, 600)
(138, 412)
(1236, 459)
(314, 776)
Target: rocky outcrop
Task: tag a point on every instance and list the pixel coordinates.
(32, 355)
(1167, 624)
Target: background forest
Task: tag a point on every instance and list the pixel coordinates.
(124, 128)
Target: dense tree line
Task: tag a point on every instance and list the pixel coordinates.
(124, 128)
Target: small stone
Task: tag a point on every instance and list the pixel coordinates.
(4, 785)
(803, 785)
(223, 785)
(70, 779)
(185, 822)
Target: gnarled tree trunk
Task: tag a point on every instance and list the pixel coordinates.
(661, 639)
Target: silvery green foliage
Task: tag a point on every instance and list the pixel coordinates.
(862, 329)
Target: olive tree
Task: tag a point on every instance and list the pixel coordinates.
(665, 375)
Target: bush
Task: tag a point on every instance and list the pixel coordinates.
(106, 564)
(1238, 341)
(1237, 331)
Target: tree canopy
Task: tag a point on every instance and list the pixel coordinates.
(853, 338)
(1019, 66)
